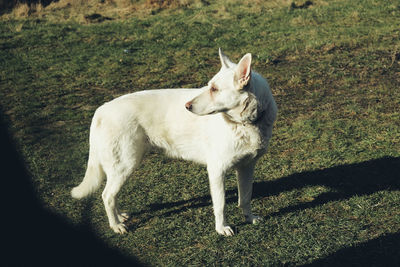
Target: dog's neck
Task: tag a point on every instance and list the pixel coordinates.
(249, 112)
(244, 121)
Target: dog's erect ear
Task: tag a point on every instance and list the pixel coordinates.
(225, 61)
(243, 70)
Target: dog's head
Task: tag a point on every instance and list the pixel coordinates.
(227, 90)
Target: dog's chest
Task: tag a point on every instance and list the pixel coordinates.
(249, 142)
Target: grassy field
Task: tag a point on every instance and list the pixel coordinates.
(328, 188)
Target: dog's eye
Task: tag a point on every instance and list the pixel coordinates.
(213, 89)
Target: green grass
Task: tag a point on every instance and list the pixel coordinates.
(329, 186)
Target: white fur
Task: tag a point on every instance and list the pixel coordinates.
(226, 124)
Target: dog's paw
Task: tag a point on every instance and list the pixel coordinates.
(120, 228)
(225, 231)
(253, 219)
(123, 217)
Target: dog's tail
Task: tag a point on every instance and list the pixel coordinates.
(91, 182)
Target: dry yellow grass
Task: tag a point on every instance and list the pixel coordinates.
(80, 10)
(77, 10)
(21, 10)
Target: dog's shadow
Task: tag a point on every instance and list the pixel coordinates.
(343, 181)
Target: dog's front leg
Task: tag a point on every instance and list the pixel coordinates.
(245, 175)
(217, 187)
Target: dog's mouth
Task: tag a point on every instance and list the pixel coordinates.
(204, 114)
(224, 110)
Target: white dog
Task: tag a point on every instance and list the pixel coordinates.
(226, 124)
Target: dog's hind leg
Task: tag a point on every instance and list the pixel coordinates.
(121, 162)
(113, 185)
(116, 177)
(245, 187)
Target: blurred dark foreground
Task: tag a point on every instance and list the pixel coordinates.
(33, 236)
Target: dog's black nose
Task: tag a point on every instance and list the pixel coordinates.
(188, 105)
